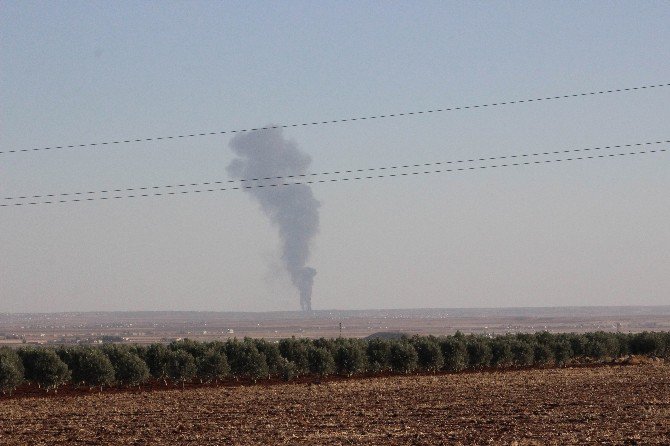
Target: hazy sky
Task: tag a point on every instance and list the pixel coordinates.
(580, 233)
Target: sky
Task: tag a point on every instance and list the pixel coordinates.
(562, 234)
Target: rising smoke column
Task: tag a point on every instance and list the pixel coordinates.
(293, 209)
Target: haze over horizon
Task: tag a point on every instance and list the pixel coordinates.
(592, 233)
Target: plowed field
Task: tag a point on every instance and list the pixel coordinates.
(604, 405)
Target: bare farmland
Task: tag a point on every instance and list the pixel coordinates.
(603, 405)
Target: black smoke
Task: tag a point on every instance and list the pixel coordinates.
(292, 209)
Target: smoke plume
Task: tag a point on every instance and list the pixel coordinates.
(293, 209)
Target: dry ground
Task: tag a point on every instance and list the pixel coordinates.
(604, 405)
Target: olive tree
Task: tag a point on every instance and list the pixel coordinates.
(157, 358)
(295, 351)
(601, 345)
(454, 352)
(378, 353)
(403, 357)
(89, 366)
(11, 370)
(349, 357)
(44, 368)
(129, 368)
(245, 360)
(212, 365)
(479, 352)
(273, 357)
(429, 354)
(181, 366)
(321, 361)
(562, 351)
(501, 352)
(523, 352)
(646, 343)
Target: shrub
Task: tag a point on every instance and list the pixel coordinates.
(429, 354)
(245, 360)
(181, 366)
(479, 352)
(523, 352)
(454, 352)
(501, 352)
(11, 370)
(601, 345)
(287, 370)
(562, 351)
(129, 368)
(272, 355)
(157, 358)
(212, 365)
(295, 351)
(44, 368)
(89, 366)
(403, 357)
(542, 353)
(646, 343)
(378, 353)
(321, 361)
(349, 357)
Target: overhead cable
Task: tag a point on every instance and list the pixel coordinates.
(333, 180)
(334, 121)
(334, 172)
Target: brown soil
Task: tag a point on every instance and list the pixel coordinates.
(601, 405)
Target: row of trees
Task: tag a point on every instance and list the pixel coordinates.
(254, 359)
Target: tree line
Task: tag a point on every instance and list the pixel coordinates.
(186, 361)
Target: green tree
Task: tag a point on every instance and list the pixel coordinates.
(321, 361)
(429, 354)
(272, 355)
(646, 343)
(543, 337)
(181, 366)
(501, 352)
(129, 368)
(194, 348)
(578, 344)
(349, 357)
(89, 366)
(295, 351)
(157, 358)
(455, 353)
(523, 352)
(378, 352)
(44, 368)
(329, 344)
(601, 345)
(287, 370)
(245, 360)
(623, 341)
(403, 357)
(479, 352)
(562, 351)
(11, 370)
(542, 353)
(665, 338)
(212, 365)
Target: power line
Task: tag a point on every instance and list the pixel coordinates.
(333, 180)
(336, 121)
(336, 172)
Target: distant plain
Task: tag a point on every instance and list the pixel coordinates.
(147, 327)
